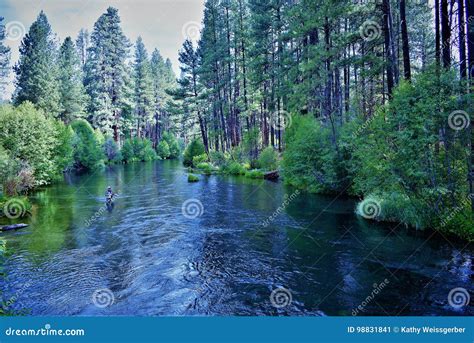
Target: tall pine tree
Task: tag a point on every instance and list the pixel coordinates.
(144, 100)
(105, 73)
(73, 98)
(37, 72)
(4, 59)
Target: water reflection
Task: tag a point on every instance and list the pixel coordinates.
(225, 262)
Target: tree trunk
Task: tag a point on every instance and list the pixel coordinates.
(445, 34)
(388, 49)
(462, 41)
(437, 34)
(406, 48)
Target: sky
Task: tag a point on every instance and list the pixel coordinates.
(163, 24)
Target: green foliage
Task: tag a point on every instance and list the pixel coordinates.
(268, 159)
(192, 178)
(195, 148)
(137, 149)
(233, 168)
(309, 161)
(199, 159)
(106, 72)
(205, 168)
(111, 150)
(34, 140)
(163, 150)
(397, 157)
(63, 152)
(72, 93)
(173, 144)
(37, 69)
(88, 154)
(4, 59)
(255, 174)
(217, 158)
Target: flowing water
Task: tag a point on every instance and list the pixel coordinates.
(144, 257)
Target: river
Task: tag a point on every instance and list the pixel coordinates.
(146, 256)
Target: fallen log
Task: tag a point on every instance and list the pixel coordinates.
(271, 175)
(13, 227)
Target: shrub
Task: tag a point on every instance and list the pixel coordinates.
(29, 136)
(87, 152)
(200, 159)
(192, 178)
(309, 161)
(205, 168)
(111, 150)
(173, 144)
(163, 149)
(234, 168)
(217, 158)
(64, 151)
(268, 159)
(137, 149)
(195, 148)
(255, 174)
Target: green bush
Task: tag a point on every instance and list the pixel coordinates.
(32, 138)
(111, 150)
(137, 149)
(268, 159)
(173, 145)
(255, 174)
(233, 168)
(63, 151)
(205, 168)
(217, 158)
(163, 150)
(87, 152)
(192, 178)
(195, 148)
(310, 160)
(199, 159)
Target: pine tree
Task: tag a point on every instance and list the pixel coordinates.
(144, 99)
(105, 73)
(73, 97)
(37, 72)
(4, 59)
(190, 88)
